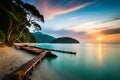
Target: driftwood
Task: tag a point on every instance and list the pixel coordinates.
(32, 49)
(21, 72)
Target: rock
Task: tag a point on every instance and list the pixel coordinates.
(49, 54)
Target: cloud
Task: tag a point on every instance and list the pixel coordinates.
(110, 31)
(74, 18)
(115, 19)
(81, 36)
(85, 36)
(53, 9)
(83, 26)
(95, 24)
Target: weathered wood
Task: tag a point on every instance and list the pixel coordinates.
(32, 49)
(37, 50)
(27, 47)
(26, 67)
(56, 50)
(22, 71)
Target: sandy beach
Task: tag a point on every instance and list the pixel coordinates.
(11, 59)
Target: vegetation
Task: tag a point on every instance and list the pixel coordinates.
(15, 19)
(43, 38)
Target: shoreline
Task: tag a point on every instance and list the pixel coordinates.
(11, 59)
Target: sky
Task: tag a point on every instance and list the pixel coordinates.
(84, 20)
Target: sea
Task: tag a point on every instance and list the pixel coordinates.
(91, 62)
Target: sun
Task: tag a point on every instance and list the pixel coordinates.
(99, 38)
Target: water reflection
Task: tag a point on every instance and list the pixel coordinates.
(92, 62)
(100, 55)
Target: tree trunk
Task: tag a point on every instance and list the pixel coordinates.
(17, 36)
(8, 33)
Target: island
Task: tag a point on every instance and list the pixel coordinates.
(64, 40)
(43, 38)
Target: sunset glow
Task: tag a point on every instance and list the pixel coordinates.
(100, 55)
(100, 38)
(78, 19)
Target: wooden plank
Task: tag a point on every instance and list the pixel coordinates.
(69, 52)
(20, 73)
(26, 67)
(32, 48)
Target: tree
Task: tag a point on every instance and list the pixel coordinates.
(16, 17)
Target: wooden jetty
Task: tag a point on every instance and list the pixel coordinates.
(62, 51)
(32, 49)
(21, 72)
(35, 49)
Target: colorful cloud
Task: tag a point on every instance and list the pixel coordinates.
(84, 20)
(51, 10)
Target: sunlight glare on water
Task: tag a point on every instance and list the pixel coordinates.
(92, 62)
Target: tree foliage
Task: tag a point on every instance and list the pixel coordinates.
(15, 18)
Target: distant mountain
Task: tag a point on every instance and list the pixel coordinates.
(43, 38)
(64, 40)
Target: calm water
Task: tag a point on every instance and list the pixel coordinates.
(92, 62)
